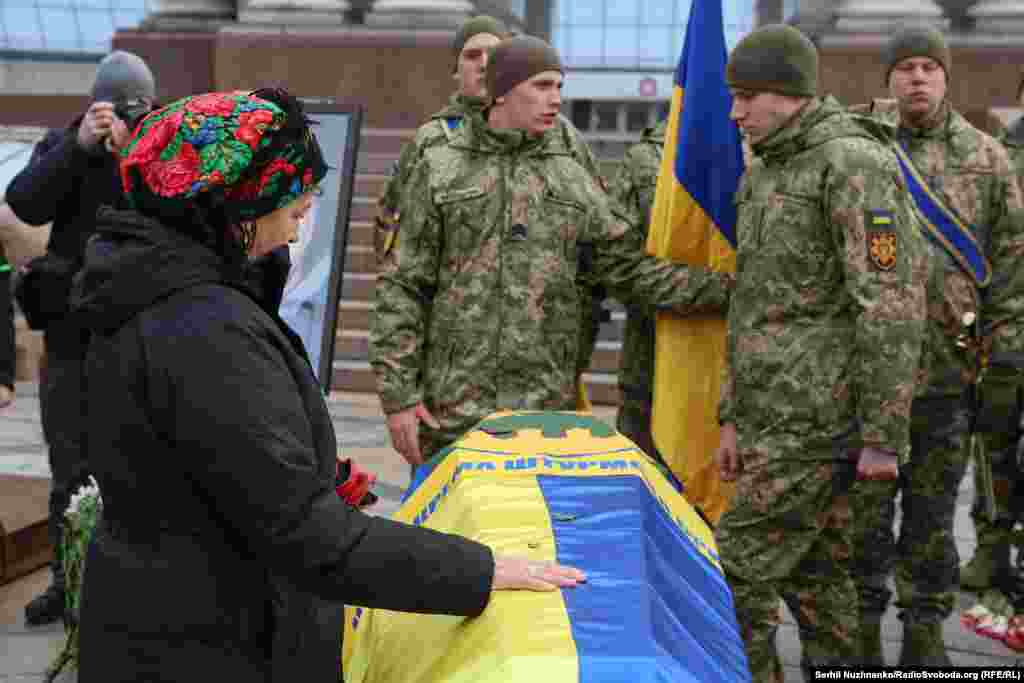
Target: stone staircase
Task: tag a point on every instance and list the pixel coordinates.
(378, 150)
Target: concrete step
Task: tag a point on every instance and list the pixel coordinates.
(356, 376)
(355, 315)
(385, 140)
(360, 259)
(354, 345)
(375, 164)
(363, 209)
(360, 233)
(370, 185)
(358, 286)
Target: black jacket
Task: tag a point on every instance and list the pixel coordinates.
(215, 456)
(65, 184)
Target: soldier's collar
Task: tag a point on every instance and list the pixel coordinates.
(1015, 133)
(935, 125)
(461, 105)
(786, 140)
(477, 134)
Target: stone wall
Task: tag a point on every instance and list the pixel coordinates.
(982, 77)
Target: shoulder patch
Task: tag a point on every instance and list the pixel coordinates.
(883, 244)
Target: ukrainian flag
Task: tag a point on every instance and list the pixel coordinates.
(693, 221)
(562, 487)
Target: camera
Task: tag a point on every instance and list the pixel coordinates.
(131, 112)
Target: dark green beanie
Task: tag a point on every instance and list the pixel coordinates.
(475, 26)
(775, 58)
(919, 41)
(517, 59)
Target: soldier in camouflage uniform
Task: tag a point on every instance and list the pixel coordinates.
(633, 186)
(471, 49)
(991, 561)
(480, 311)
(824, 338)
(970, 172)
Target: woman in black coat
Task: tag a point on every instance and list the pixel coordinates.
(208, 432)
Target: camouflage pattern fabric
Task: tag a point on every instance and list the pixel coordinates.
(824, 337)
(439, 130)
(479, 311)
(928, 566)
(435, 131)
(971, 171)
(998, 442)
(786, 536)
(633, 187)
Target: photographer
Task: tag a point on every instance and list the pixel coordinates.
(72, 173)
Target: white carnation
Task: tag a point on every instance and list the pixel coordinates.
(90, 490)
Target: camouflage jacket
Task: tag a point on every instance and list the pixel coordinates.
(633, 186)
(972, 173)
(479, 311)
(439, 130)
(436, 131)
(825, 325)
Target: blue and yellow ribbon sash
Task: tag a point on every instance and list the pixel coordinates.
(943, 225)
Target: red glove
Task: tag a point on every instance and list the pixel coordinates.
(352, 484)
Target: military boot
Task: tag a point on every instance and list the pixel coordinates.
(991, 560)
(922, 644)
(871, 639)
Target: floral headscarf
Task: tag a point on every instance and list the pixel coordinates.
(258, 155)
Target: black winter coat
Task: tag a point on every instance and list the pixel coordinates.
(65, 184)
(215, 456)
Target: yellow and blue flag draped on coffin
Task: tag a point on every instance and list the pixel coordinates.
(693, 221)
(565, 487)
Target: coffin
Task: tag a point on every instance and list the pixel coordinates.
(566, 487)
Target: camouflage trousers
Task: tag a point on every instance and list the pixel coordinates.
(925, 557)
(786, 536)
(1004, 479)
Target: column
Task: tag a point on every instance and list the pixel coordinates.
(883, 16)
(417, 14)
(189, 14)
(998, 17)
(813, 17)
(304, 13)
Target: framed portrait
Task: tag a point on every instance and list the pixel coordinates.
(310, 302)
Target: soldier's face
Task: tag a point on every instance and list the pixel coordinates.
(919, 85)
(473, 63)
(534, 104)
(760, 114)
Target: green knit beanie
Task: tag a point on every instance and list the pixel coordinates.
(475, 26)
(776, 58)
(918, 41)
(518, 59)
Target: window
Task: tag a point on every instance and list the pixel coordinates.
(616, 118)
(628, 34)
(82, 26)
(638, 116)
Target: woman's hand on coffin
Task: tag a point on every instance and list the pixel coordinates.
(517, 573)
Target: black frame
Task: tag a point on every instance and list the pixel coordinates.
(347, 176)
